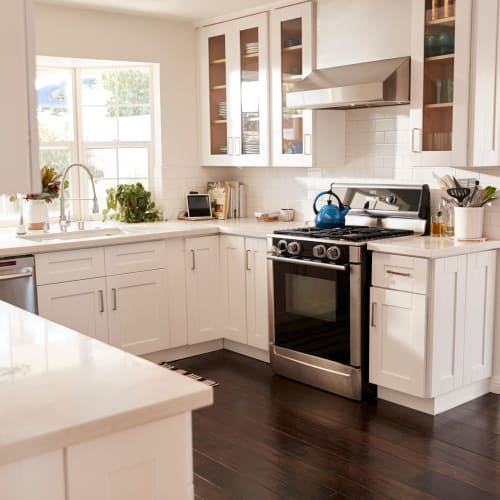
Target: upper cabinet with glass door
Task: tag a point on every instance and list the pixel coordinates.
(440, 82)
(291, 59)
(234, 93)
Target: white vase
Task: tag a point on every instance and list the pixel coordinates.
(36, 214)
(469, 223)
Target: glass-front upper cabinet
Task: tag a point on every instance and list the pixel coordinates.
(234, 93)
(440, 82)
(291, 59)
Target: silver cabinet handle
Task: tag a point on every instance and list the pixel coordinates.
(101, 301)
(418, 147)
(237, 146)
(374, 304)
(15, 276)
(193, 260)
(113, 291)
(397, 273)
(230, 146)
(247, 260)
(307, 144)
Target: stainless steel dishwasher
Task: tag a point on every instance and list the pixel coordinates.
(17, 285)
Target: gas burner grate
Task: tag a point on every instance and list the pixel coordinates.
(348, 233)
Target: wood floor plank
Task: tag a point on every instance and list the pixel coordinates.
(270, 436)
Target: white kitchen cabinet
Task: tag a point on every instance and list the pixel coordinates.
(19, 136)
(257, 307)
(439, 104)
(436, 345)
(203, 289)
(485, 85)
(80, 305)
(37, 477)
(83, 290)
(244, 316)
(234, 85)
(291, 53)
(233, 291)
(398, 340)
(137, 313)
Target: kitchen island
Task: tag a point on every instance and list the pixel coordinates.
(80, 419)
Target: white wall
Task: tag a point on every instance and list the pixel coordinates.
(69, 32)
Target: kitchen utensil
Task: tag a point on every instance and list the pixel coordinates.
(459, 193)
(330, 216)
(457, 184)
(473, 193)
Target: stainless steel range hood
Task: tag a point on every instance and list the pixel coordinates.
(376, 83)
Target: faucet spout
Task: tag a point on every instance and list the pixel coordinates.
(95, 206)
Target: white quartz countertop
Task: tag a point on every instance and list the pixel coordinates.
(11, 245)
(431, 247)
(58, 387)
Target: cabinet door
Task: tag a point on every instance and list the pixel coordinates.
(257, 307)
(79, 305)
(19, 136)
(479, 316)
(233, 300)
(448, 324)
(137, 311)
(234, 92)
(203, 288)
(398, 340)
(440, 82)
(485, 84)
(291, 49)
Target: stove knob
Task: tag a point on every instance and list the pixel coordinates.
(294, 248)
(333, 253)
(319, 251)
(282, 245)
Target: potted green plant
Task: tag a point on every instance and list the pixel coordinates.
(130, 203)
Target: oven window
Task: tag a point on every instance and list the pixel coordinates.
(312, 310)
(311, 297)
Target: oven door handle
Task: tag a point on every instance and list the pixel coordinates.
(335, 267)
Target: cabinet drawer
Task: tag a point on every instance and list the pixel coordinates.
(398, 272)
(135, 257)
(57, 267)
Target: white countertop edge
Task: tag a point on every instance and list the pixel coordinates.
(65, 437)
(431, 247)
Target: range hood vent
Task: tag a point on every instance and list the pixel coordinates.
(363, 85)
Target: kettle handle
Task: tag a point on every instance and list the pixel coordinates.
(331, 193)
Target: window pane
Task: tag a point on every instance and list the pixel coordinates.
(59, 158)
(130, 86)
(95, 87)
(132, 162)
(55, 105)
(134, 123)
(100, 188)
(102, 163)
(99, 124)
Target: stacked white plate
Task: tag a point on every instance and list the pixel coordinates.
(222, 109)
(251, 145)
(251, 47)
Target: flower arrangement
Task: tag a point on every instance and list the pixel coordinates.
(51, 185)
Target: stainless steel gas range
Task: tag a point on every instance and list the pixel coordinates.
(319, 286)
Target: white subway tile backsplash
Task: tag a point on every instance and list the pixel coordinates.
(385, 124)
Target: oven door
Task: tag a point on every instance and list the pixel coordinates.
(316, 309)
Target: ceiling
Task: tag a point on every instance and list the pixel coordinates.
(189, 10)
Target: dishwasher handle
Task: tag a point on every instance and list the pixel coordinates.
(14, 276)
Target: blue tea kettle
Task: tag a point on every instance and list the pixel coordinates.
(329, 215)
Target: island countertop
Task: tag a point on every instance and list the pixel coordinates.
(59, 387)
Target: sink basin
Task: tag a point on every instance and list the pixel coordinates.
(75, 235)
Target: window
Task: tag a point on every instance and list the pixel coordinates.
(98, 113)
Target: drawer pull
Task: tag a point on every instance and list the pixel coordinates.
(193, 260)
(397, 273)
(373, 314)
(113, 291)
(247, 264)
(101, 301)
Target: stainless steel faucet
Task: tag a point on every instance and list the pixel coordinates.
(63, 222)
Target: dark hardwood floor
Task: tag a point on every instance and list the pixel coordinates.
(267, 437)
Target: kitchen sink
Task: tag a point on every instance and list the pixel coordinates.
(75, 234)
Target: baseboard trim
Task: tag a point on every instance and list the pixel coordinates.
(434, 406)
(246, 350)
(495, 385)
(184, 351)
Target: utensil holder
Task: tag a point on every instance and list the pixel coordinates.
(469, 223)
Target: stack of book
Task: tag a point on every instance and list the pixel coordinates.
(228, 199)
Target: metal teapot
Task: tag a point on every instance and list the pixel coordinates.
(329, 215)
